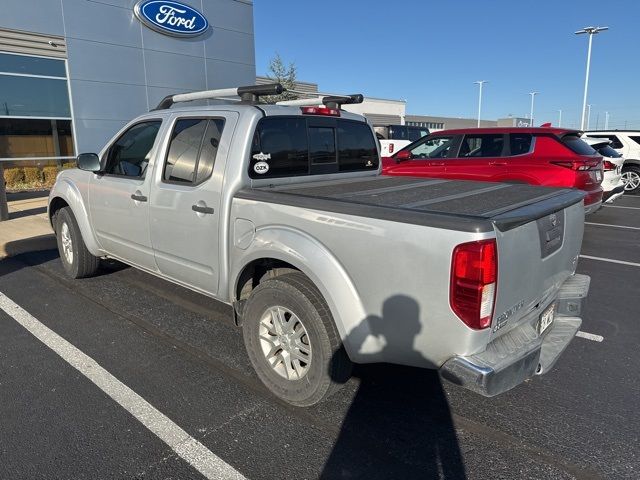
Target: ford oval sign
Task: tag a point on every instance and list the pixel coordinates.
(171, 18)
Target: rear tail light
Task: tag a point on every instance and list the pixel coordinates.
(608, 166)
(474, 272)
(391, 148)
(578, 165)
(330, 112)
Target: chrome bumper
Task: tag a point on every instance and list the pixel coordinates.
(521, 353)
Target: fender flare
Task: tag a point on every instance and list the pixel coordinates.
(69, 192)
(303, 251)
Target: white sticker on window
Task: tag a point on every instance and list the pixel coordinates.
(262, 157)
(261, 167)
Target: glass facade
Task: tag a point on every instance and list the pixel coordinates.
(35, 112)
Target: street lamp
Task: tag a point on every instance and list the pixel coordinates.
(480, 83)
(533, 94)
(588, 117)
(606, 120)
(560, 118)
(591, 31)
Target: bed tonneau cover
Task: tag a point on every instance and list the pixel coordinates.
(453, 204)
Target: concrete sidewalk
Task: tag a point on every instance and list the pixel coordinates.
(27, 229)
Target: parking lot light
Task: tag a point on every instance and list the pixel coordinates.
(480, 83)
(533, 94)
(591, 31)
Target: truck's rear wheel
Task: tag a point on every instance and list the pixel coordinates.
(77, 261)
(292, 341)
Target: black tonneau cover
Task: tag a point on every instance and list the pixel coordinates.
(453, 204)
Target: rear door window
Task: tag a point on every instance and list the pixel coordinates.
(482, 145)
(192, 151)
(291, 146)
(520, 143)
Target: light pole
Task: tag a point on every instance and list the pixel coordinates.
(588, 117)
(560, 118)
(591, 31)
(606, 120)
(480, 83)
(533, 94)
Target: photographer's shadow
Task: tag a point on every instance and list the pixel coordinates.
(399, 425)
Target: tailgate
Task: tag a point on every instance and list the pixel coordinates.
(534, 260)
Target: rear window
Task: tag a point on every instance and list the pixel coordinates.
(577, 145)
(607, 151)
(291, 146)
(635, 139)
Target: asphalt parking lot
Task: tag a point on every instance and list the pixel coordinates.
(155, 383)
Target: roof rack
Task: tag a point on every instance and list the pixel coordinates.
(248, 94)
(331, 101)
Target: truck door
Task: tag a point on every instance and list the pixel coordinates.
(185, 208)
(118, 197)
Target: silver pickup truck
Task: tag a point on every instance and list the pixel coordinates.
(280, 211)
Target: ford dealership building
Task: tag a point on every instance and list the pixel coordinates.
(72, 72)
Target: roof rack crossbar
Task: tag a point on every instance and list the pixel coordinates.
(331, 101)
(249, 93)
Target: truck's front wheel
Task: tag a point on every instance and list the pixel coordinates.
(292, 341)
(77, 261)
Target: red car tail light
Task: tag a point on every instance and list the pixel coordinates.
(474, 272)
(330, 112)
(608, 166)
(578, 165)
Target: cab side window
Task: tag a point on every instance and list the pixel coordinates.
(131, 153)
(192, 151)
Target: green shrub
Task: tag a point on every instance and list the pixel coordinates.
(68, 165)
(50, 173)
(13, 177)
(32, 175)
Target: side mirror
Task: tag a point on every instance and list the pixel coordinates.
(402, 155)
(89, 162)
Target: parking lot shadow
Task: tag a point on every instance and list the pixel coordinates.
(403, 411)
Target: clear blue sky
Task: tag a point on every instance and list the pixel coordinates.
(430, 53)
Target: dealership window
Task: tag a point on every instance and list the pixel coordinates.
(35, 112)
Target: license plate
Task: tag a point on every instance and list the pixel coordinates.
(546, 318)
(598, 175)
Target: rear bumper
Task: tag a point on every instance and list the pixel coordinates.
(521, 353)
(593, 207)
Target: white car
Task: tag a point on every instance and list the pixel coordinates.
(627, 144)
(613, 185)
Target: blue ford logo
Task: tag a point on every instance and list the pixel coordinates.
(171, 18)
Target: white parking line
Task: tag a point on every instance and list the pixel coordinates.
(610, 260)
(622, 206)
(187, 447)
(590, 336)
(608, 225)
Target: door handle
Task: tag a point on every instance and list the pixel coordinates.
(498, 163)
(436, 164)
(202, 209)
(138, 198)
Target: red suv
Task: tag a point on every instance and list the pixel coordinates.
(554, 157)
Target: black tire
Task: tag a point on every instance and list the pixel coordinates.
(634, 170)
(81, 263)
(329, 367)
